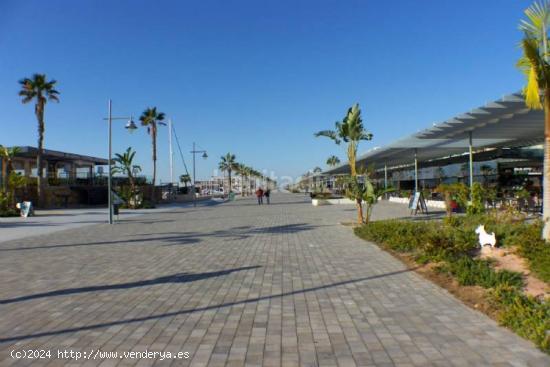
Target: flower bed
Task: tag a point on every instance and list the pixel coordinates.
(451, 246)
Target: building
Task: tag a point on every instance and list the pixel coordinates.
(70, 179)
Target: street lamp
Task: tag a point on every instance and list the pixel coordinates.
(130, 126)
(204, 156)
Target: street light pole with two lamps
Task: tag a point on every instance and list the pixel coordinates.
(130, 126)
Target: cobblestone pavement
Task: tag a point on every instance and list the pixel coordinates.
(53, 220)
(236, 284)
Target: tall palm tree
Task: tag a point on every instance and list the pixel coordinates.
(125, 165)
(535, 65)
(351, 131)
(229, 164)
(37, 88)
(152, 119)
(333, 161)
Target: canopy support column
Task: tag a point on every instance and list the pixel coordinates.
(415, 171)
(471, 157)
(385, 176)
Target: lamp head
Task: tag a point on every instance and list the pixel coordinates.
(131, 125)
(204, 155)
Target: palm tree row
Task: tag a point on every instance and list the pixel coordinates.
(39, 89)
(228, 163)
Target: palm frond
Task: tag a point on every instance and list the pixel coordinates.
(331, 134)
(538, 19)
(533, 65)
(531, 91)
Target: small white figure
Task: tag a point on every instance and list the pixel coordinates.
(485, 238)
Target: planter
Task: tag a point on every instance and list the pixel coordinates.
(343, 201)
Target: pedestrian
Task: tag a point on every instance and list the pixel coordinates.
(266, 194)
(260, 195)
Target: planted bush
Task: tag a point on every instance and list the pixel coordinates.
(401, 236)
(527, 316)
(470, 271)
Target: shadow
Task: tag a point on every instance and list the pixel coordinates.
(193, 310)
(26, 224)
(255, 203)
(181, 238)
(244, 232)
(175, 278)
(184, 238)
(420, 216)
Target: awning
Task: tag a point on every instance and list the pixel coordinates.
(506, 122)
(54, 155)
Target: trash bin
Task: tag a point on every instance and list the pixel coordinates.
(115, 209)
(231, 196)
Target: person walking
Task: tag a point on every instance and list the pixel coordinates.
(266, 194)
(260, 195)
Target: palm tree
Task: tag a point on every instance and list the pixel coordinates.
(535, 65)
(40, 90)
(245, 172)
(185, 179)
(151, 118)
(125, 165)
(333, 161)
(228, 164)
(256, 174)
(351, 131)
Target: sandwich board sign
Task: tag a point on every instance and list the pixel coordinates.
(417, 203)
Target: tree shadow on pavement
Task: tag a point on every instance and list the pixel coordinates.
(182, 238)
(174, 278)
(198, 309)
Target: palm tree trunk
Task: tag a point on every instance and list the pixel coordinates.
(359, 211)
(546, 169)
(352, 151)
(229, 175)
(39, 109)
(154, 137)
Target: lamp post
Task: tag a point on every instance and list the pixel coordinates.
(130, 126)
(204, 155)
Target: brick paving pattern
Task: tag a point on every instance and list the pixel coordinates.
(236, 284)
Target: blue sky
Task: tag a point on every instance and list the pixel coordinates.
(256, 78)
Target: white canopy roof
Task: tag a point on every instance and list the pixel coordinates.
(506, 122)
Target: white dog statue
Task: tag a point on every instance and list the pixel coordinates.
(485, 238)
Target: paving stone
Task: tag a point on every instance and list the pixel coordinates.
(238, 284)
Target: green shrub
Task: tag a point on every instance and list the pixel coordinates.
(401, 236)
(527, 238)
(321, 195)
(478, 198)
(430, 240)
(470, 271)
(526, 315)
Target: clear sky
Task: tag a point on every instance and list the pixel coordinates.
(256, 78)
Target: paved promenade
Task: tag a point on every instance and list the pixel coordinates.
(53, 220)
(236, 284)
